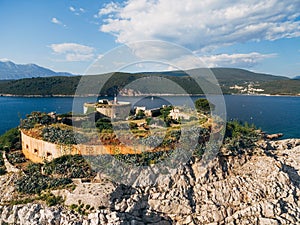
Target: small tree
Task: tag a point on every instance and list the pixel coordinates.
(165, 112)
(140, 114)
(203, 105)
(104, 124)
(133, 126)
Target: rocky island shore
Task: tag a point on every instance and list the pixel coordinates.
(258, 188)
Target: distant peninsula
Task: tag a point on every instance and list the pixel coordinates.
(231, 81)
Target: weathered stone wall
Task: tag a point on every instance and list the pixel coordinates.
(38, 150)
(115, 111)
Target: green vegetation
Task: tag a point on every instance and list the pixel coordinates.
(15, 157)
(144, 159)
(240, 138)
(2, 166)
(140, 115)
(104, 124)
(53, 175)
(165, 112)
(20, 201)
(226, 77)
(10, 140)
(10, 143)
(232, 76)
(36, 183)
(55, 134)
(81, 208)
(68, 166)
(203, 105)
(41, 86)
(287, 87)
(36, 118)
(133, 126)
(50, 199)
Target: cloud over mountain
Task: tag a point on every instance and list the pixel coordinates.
(235, 60)
(73, 51)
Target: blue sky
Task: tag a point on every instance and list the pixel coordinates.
(69, 35)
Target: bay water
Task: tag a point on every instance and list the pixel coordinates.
(273, 114)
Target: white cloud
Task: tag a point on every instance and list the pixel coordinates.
(109, 8)
(5, 60)
(201, 24)
(73, 51)
(56, 21)
(235, 60)
(78, 11)
(71, 57)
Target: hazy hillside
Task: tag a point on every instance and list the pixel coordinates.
(40, 86)
(12, 71)
(282, 87)
(161, 82)
(224, 75)
(234, 76)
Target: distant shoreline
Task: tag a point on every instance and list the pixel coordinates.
(138, 95)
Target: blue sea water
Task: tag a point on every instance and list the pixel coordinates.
(273, 114)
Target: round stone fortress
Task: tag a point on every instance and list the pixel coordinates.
(38, 150)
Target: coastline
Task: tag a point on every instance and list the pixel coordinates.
(140, 95)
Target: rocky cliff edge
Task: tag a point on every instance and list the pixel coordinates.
(261, 188)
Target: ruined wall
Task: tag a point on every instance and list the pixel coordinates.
(38, 150)
(120, 111)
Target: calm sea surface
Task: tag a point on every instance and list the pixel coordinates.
(272, 114)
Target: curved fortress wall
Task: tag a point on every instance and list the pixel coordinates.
(39, 151)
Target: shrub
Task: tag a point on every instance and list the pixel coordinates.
(36, 118)
(73, 206)
(140, 115)
(133, 125)
(34, 182)
(21, 201)
(104, 124)
(16, 157)
(10, 139)
(148, 120)
(203, 105)
(51, 199)
(239, 138)
(37, 183)
(68, 166)
(62, 136)
(3, 170)
(1, 159)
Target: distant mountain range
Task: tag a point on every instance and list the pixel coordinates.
(297, 78)
(231, 81)
(12, 71)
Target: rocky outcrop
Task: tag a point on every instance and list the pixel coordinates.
(263, 188)
(274, 136)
